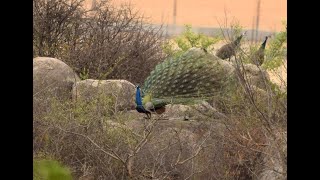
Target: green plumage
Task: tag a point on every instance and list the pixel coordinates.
(192, 77)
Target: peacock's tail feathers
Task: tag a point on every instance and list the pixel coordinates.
(178, 100)
(193, 75)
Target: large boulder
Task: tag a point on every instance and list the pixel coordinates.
(52, 78)
(117, 93)
(257, 76)
(254, 75)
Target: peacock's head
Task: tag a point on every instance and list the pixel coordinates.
(139, 91)
(269, 36)
(137, 87)
(237, 41)
(244, 33)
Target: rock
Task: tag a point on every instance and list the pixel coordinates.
(279, 76)
(52, 81)
(256, 76)
(197, 111)
(275, 159)
(52, 77)
(177, 111)
(120, 93)
(179, 140)
(227, 66)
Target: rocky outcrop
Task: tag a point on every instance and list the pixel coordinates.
(117, 93)
(52, 77)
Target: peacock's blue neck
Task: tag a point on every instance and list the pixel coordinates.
(138, 97)
(139, 106)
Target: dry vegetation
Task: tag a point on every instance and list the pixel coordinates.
(101, 43)
(245, 138)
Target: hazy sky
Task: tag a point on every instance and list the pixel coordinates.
(207, 13)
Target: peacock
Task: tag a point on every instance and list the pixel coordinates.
(188, 79)
(258, 57)
(229, 50)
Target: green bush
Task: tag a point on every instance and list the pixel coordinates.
(276, 51)
(50, 170)
(189, 39)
